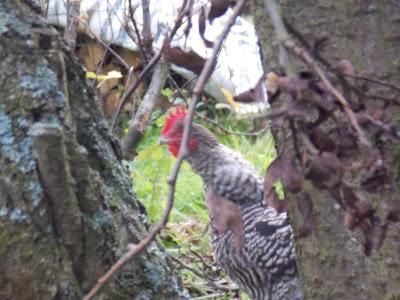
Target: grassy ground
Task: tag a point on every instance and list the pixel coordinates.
(187, 237)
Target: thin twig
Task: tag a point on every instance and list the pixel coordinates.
(149, 66)
(228, 131)
(210, 280)
(147, 37)
(277, 21)
(391, 131)
(138, 39)
(375, 81)
(105, 45)
(135, 249)
(143, 115)
(73, 8)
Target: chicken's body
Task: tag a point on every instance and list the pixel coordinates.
(263, 265)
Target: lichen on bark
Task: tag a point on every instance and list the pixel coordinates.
(332, 263)
(50, 119)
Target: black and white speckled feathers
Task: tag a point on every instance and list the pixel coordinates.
(265, 266)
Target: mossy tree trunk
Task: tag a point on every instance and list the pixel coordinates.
(67, 211)
(332, 262)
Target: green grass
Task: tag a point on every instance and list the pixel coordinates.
(187, 229)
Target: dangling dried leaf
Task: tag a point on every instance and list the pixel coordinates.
(255, 94)
(305, 207)
(374, 237)
(378, 114)
(272, 199)
(188, 60)
(289, 110)
(325, 170)
(361, 208)
(202, 28)
(376, 181)
(225, 215)
(347, 143)
(218, 8)
(392, 209)
(322, 140)
(350, 221)
(283, 169)
(344, 67)
(324, 103)
(292, 86)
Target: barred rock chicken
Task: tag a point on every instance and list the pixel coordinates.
(252, 242)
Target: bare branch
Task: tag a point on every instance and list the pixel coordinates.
(105, 45)
(73, 8)
(376, 81)
(149, 66)
(210, 280)
(228, 131)
(205, 74)
(284, 59)
(302, 53)
(143, 115)
(147, 37)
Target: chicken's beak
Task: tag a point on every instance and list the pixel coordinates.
(163, 140)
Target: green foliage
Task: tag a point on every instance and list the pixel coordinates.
(279, 190)
(186, 231)
(150, 170)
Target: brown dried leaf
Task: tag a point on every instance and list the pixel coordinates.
(218, 8)
(279, 205)
(283, 168)
(292, 110)
(188, 60)
(350, 221)
(225, 215)
(374, 237)
(255, 94)
(360, 207)
(344, 67)
(347, 143)
(324, 103)
(305, 207)
(376, 181)
(325, 170)
(321, 140)
(392, 209)
(292, 86)
(378, 114)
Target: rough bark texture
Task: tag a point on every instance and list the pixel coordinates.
(332, 263)
(67, 211)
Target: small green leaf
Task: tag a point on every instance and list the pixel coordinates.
(167, 92)
(279, 190)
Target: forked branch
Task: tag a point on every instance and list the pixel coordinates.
(135, 249)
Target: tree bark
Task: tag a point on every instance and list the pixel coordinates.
(67, 211)
(332, 263)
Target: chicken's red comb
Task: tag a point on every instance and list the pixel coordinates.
(179, 114)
